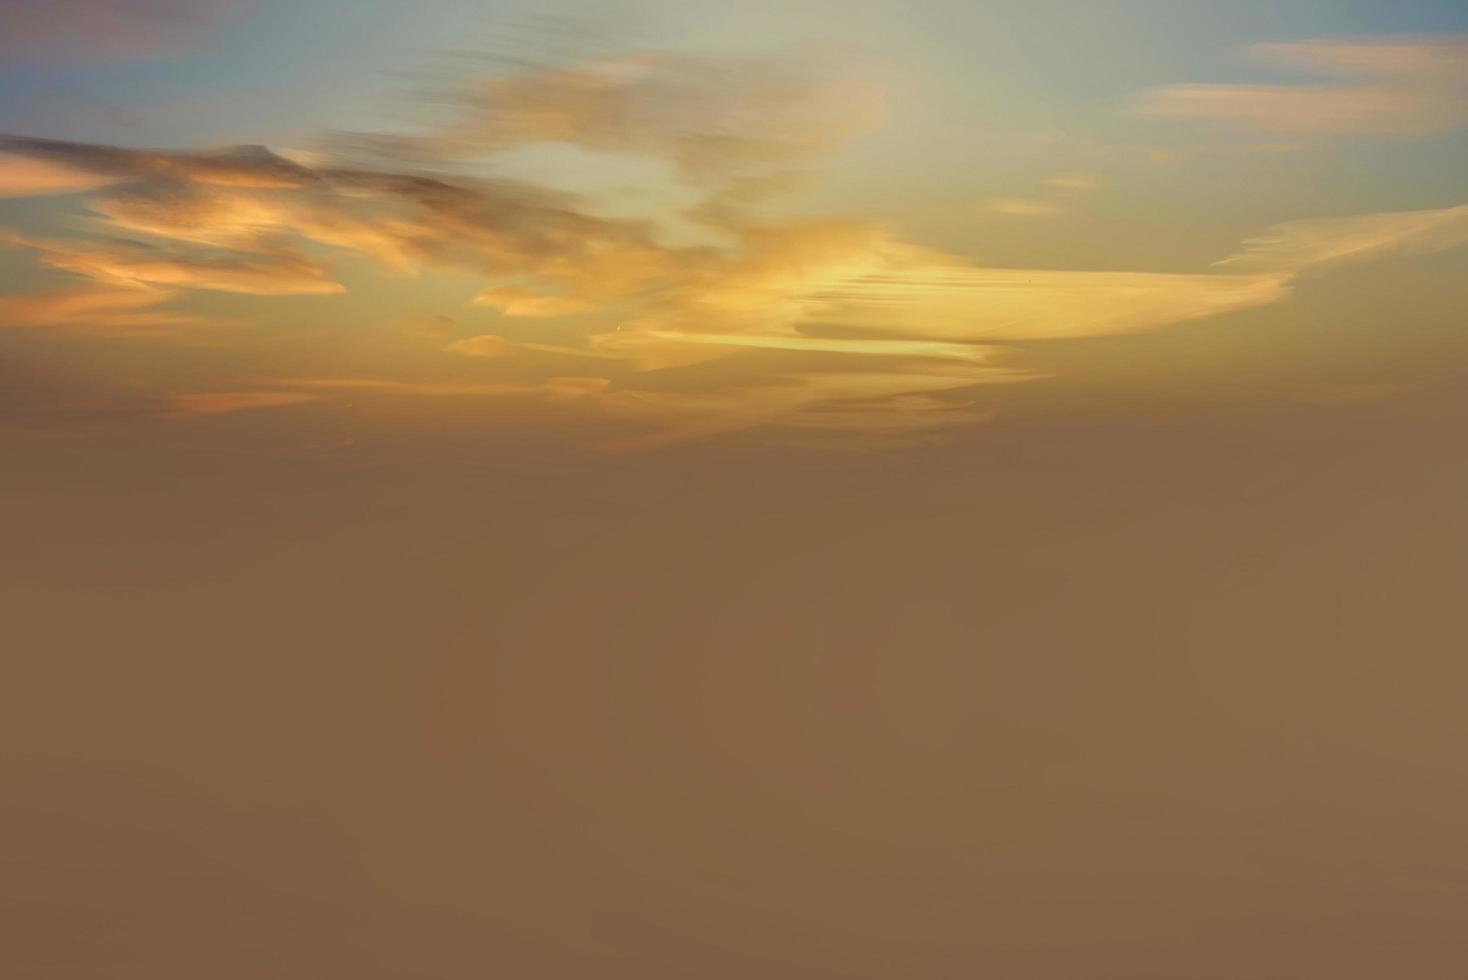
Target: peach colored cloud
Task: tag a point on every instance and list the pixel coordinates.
(1396, 86)
(115, 309)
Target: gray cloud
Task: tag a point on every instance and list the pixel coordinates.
(112, 28)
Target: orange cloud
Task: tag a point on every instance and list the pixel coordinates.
(22, 176)
(134, 263)
(223, 402)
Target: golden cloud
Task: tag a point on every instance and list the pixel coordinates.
(518, 301)
(484, 345)
(961, 303)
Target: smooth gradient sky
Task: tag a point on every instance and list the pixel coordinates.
(790, 490)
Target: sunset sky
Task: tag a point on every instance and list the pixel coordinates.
(945, 489)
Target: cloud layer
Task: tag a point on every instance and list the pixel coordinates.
(819, 324)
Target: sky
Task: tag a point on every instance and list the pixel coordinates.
(932, 489)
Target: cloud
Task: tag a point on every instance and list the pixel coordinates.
(973, 304)
(830, 326)
(714, 119)
(38, 396)
(138, 264)
(1024, 207)
(929, 349)
(1397, 86)
(484, 345)
(1298, 245)
(560, 389)
(119, 310)
(866, 405)
(891, 405)
(235, 166)
(22, 176)
(251, 202)
(1346, 394)
(518, 301)
(223, 402)
(1075, 182)
(111, 28)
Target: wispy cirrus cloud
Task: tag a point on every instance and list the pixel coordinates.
(1298, 245)
(1392, 86)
